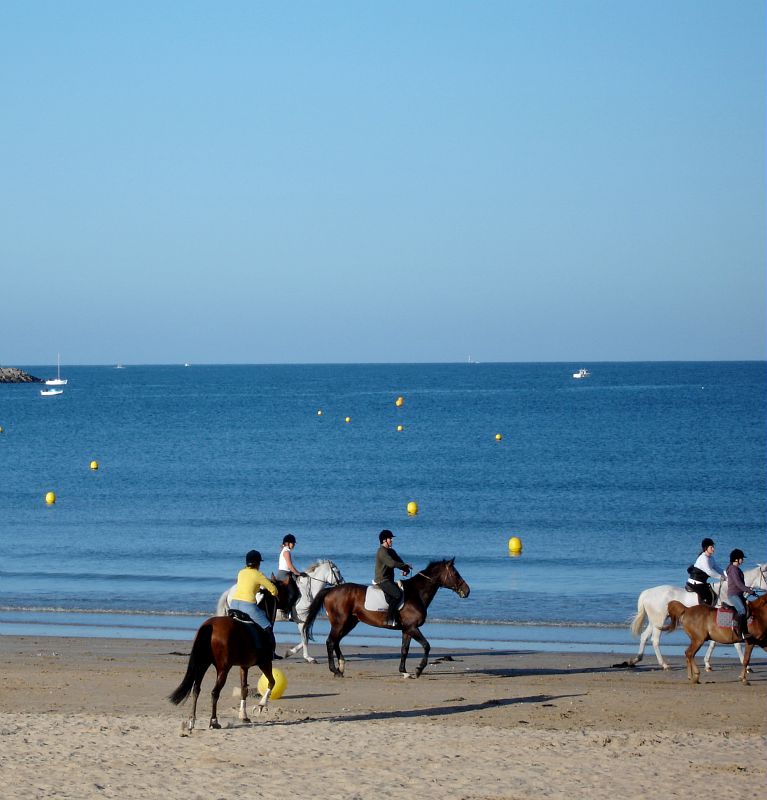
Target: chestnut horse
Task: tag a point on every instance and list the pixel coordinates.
(699, 623)
(345, 607)
(225, 642)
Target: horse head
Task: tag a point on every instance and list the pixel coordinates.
(448, 576)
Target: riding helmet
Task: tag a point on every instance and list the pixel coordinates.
(253, 559)
(288, 538)
(384, 535)
(706, 543)
(736, 554)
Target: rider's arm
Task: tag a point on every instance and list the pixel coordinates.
(289, 562)
(708, 565)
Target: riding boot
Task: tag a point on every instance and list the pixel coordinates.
(273, 642)
(742, 626)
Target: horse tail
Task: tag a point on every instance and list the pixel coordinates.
(639, 618)
(314, 610)
(200, 659)
(675, 612)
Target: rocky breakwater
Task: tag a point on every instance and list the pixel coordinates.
(16, 375)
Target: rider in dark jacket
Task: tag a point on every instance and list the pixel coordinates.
(387, 560)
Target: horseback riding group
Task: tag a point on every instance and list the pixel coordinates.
(242, 632)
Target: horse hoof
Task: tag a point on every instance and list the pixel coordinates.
(709, 669)
(214, 724)
(246, 719)
(666, 667)
(407, 675)
(311, 660)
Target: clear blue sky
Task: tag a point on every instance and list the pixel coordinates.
(394, 181)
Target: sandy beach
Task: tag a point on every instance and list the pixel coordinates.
(86, 718)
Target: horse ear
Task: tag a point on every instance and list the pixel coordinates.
(451, 561)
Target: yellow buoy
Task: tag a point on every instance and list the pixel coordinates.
(515, 545)
(399, 401)
(50, 498)
(498, 437)
(348, 419)
(280, 684)
(319, 412)
(1, 428)
(412, 508)
(94, 464)
(400, 427)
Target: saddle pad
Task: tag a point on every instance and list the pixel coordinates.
(375, 599)
(724, 617)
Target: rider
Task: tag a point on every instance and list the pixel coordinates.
(737, 589)
(387, 560)
(249, 581)
(286, 567)
(704, 568)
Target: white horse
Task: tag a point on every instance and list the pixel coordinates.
(653, 605)
(321, 575)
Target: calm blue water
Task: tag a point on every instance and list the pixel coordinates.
(610, 482)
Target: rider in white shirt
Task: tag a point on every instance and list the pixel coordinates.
(704, 568)
(285, 566)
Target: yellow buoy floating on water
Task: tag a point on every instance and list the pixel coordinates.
(498, 437)
(400, 427)
(399, 401)
(348, 419)
(50, 498)
(319, 412)
(412, 508)
(94, 465)
(1, 428)
(280, 684)
(515, 545)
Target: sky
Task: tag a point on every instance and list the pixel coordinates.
(325, 182)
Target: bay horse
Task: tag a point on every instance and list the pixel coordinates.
(345, 607)
(652, 606)
(699, 623)
(225, 642)
(295, 604)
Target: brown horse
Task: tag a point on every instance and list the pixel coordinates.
(225, 642)
(345, 607)
(699, 623)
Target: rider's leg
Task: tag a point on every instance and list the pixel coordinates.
(393, 595)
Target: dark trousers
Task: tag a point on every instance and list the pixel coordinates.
(393, 596)
(704, 591)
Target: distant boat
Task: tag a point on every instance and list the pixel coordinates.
(51, 392)
(58, 380)
(119, 366)
(581, 373)
(187, 364)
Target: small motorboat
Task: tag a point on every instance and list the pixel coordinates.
(581, 373)
(51, 392)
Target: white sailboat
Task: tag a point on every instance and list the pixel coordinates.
(58, 380)
(51, 392)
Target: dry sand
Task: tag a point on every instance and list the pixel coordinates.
(87, 718)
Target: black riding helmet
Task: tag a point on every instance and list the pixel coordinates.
(736, 554)
(253, 559)
(384, 535)
(706, 543)
(288, 538)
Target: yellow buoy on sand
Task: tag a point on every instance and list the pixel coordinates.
(280, 684)
(412, 508)
(50, 498)
(515, 545)
(399, 401)
(94, 464)
(498, 437)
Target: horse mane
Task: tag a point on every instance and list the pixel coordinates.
(317, 564)
(437, 563)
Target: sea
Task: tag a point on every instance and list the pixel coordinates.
(609, 482)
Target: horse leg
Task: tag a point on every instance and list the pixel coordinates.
(693, 673)
(421, 639)
(243, 715)
(266, 667)
(656, 646)
(304, 643)
(707, 658)
(642, 643)
(221, 676)
(746, 659)
(334, 646)
(195, 695)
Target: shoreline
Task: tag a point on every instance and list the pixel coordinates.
(86, 718)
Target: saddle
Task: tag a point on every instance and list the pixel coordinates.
(241, 616)
(375, 599)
